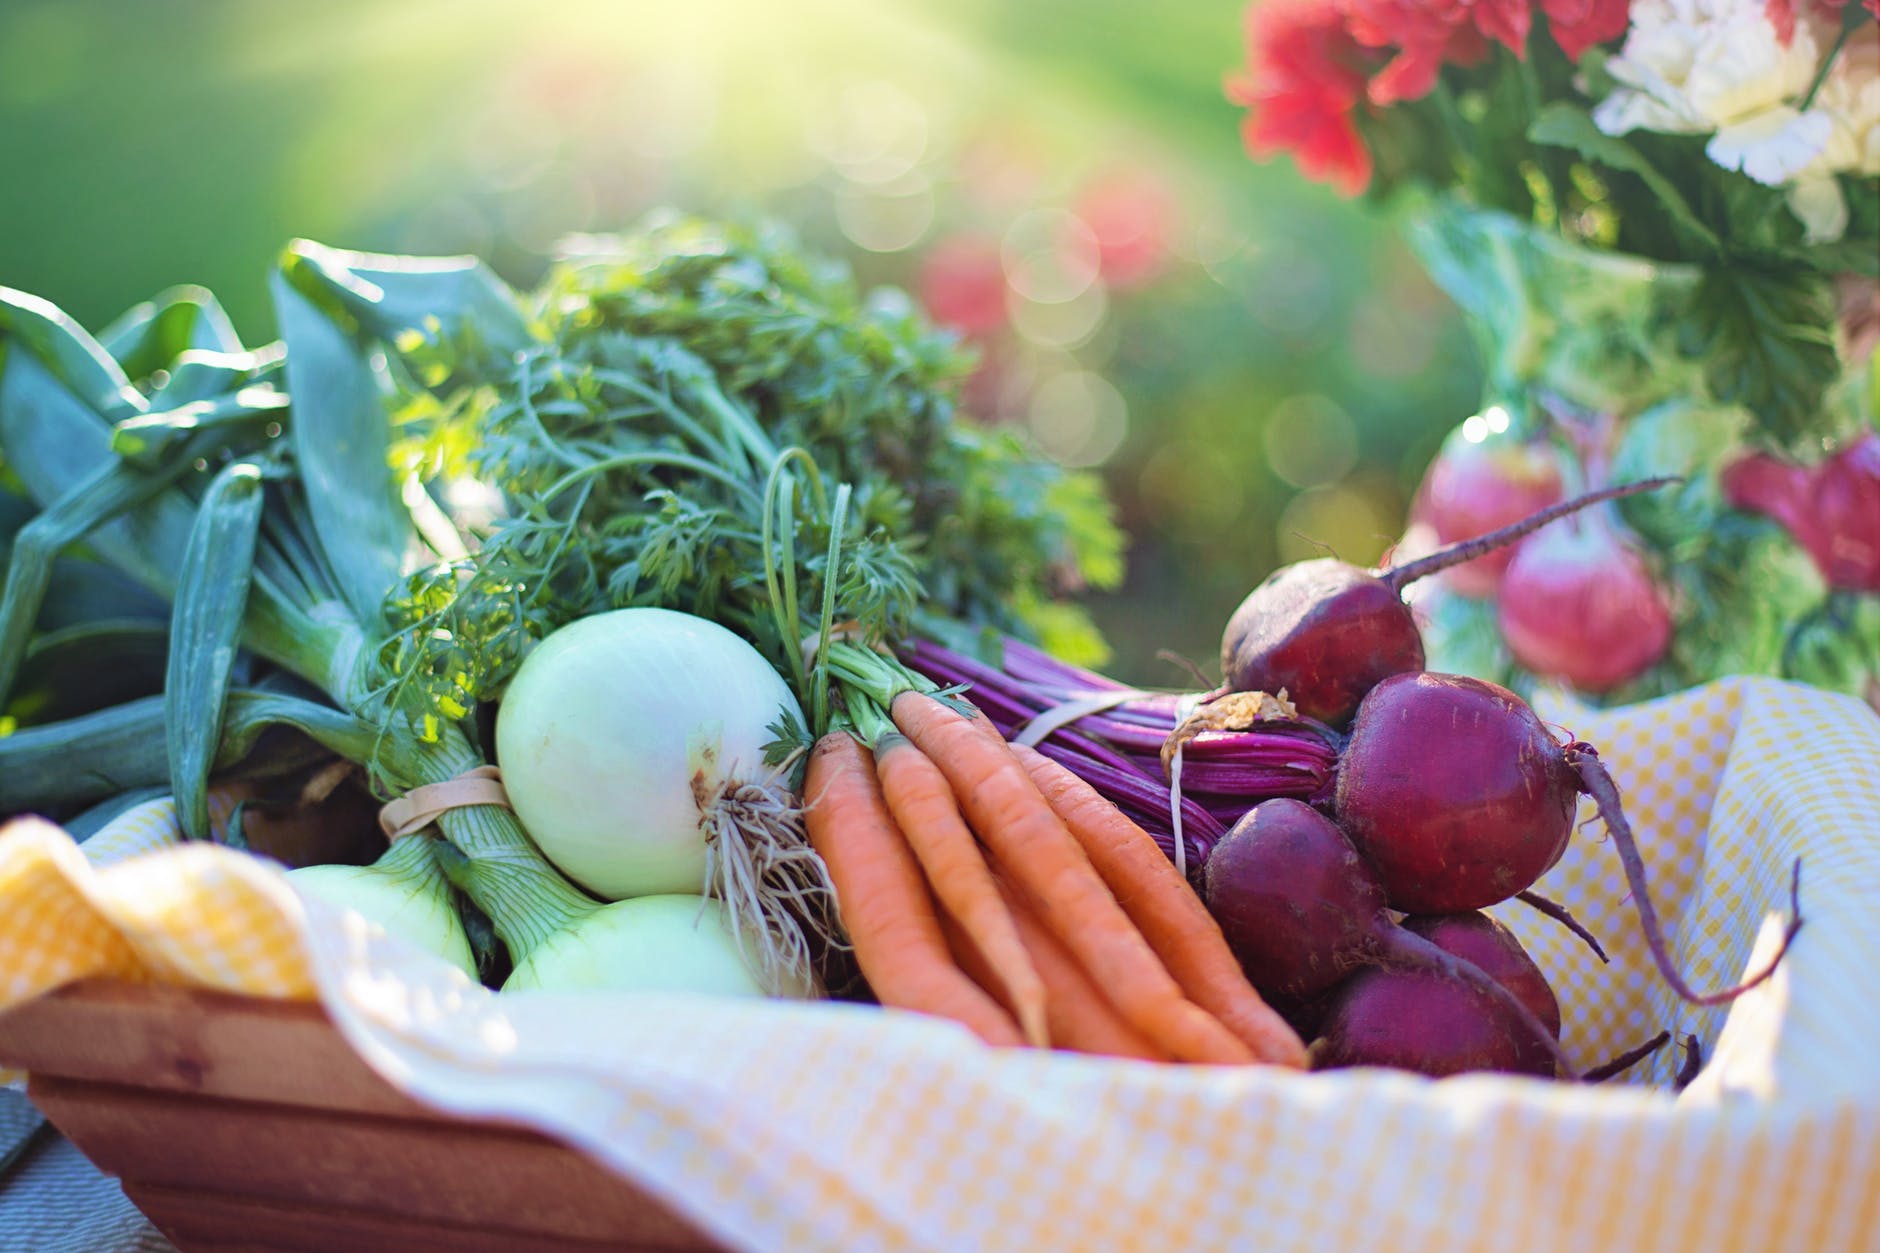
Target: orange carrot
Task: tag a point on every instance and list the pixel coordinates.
(883, 900)
(1165, 909)
(956, 870)
(1081, 1019)
(1009, 814)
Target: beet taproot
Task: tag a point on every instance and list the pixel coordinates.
(1327, 631)
(1421, 1021)
(1477, 938)
(1458, 796)
(1302, 911)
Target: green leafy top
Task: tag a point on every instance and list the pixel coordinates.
(676, 435)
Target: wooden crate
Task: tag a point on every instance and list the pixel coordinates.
(237, 1123)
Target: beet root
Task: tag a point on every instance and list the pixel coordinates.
(1301, 911)
(1453, 789)
(1454, 792)
(1295, 901)
(1560, 914)
(1327, 631)
(1479, 939)
(1628, 1059)
(1419, 1020)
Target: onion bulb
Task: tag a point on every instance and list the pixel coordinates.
(666, 943)
(403, 892)
(632, 747)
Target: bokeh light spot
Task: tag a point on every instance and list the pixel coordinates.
(1310, 440)
(1060, 324)
(1078, 418)
(1337, 519)
(874, 133)
(1191, 492)
(1050, 256)
(885, 219)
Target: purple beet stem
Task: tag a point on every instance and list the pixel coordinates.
(1597, 783)
(1400, 577)
(1560, 914)
(1628, 1059)
(1118, 751)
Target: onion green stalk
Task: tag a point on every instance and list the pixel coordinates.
(205, 626)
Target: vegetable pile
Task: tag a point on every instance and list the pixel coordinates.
(690, 642)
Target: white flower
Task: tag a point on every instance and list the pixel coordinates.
(1717, 66)
(1850, 101)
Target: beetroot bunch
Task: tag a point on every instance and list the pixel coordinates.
(1451, 796)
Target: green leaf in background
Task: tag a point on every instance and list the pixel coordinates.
(1738, 592)
(393, 297)
(205, 631)
(1685, 438)
(1566, 125)
(1767, 341)
(1461, 635)
(245, 415)
(72, 357)
(198, 374)
(1838, 645)
(147, 337)
(342, 449)
(104, 495)
(56, 443)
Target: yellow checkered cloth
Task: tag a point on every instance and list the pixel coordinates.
(821, 1126)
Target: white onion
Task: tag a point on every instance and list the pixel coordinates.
(667, 943)
(613, 731)
(403, 893)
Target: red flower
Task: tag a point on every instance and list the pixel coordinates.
(1304, 81)
(1132, 212)
(1579, 24)
(1430, 34)
(962, 285)
(1832, 509)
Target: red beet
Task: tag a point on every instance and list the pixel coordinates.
(1476, 485)
(1477, 938)
(1421, 1021)
(1297, 904)
(1326, 631)
(1458, 796)
(1454, 791)
(1301, 910)
(1579, 604)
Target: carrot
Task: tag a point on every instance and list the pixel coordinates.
(882, 898)
(956, 870)
(1079, 1017)
(1165, 909)
(1052, 871)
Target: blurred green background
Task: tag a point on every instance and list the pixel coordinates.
(1257, 369)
